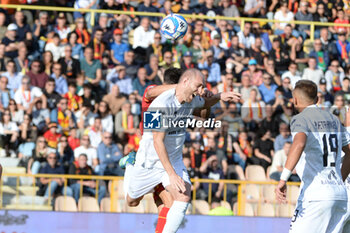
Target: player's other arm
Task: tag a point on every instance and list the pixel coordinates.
(175, 180)
(345, 168)
(155, 91)
(293, 157)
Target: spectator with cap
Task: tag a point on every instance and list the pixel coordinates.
(213, 67)
(323, 89)
(187, 61)
(14, 78)
(61, 86)
(51, 136)
(10, 41)
(321, 56)
(61, 27)
(334, 76)
(293, 74)
(70, 66)
(118, 77)
(22, 27)
(267, 88)
(26, 96)
(118, 48)
(218, 52)
(312, 72)
(109, 155)
(245, 37)
(255, 75)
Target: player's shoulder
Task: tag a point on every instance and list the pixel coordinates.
(164, 99)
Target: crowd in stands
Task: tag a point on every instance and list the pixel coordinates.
(71, 92)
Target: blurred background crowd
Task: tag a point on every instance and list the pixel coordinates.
(71, 92)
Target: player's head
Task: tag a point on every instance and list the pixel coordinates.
(172, 75)
(191, 83)
(304, 94)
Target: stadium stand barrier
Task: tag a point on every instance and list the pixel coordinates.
(242, 20)
(18, 191)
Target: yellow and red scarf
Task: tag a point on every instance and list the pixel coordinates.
(251, 113)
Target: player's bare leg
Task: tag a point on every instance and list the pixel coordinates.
(178, 210)
(133, 202)
(163, 200)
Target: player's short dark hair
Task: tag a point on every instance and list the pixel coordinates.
(172, 75)
(309, 88)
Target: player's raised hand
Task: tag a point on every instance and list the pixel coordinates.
(177, 183)
(207, 94)
(281, 192)
(230, 96)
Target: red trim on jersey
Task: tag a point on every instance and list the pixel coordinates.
(144, 106)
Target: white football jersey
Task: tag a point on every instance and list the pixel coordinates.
(320, 163)
(172, 112)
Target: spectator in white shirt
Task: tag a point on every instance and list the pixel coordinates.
(293, 74)
(85, 148)
(245, 37)
(55, 47)
(143, 35)
(95, 132)
(312, 73)
(283, 15)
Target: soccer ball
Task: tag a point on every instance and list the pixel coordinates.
(173, 27)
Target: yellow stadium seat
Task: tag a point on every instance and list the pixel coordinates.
(17, 170)
(292, 193)
(200, 207)
(285, 210)
(269, 192)
(252, 192)
(118, 188)
(88, 204)
(255, 173)
(28, 190)
(248, 209)
(226, 205)
(106, 203)
(266, 210)
(65, 204)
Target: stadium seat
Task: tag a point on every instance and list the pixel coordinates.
(200, 207)
(88, 204)
(28, 207)
(269, 193)
(266, 210)
(140, 209)
(226, 205)
(118, 188)
(248, 209)
(285, 210)
(28, 190)
(255, 173)
(292, 193)
(65, 204)
(105, 205)
(252, 193)
(28, 200)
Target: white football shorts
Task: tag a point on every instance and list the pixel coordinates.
(319, 217)
(138, 181)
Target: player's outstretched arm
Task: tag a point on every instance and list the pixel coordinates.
(224, 96)
(345, 168)
(154, 92)
(176, 181)
(293, 157)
